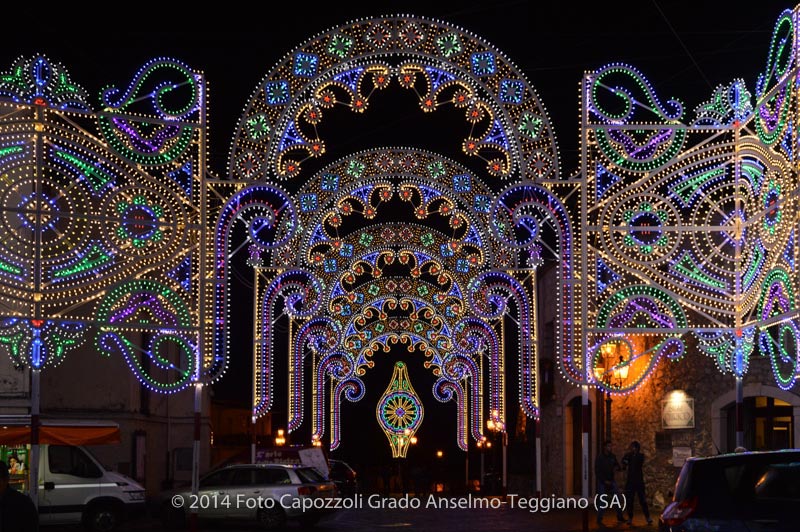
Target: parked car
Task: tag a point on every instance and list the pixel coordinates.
(344, 476)
(742, 492)
(269, 494)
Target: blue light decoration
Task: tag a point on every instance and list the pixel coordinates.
(39, 343)
(691, 217)
(38, 81)
(100, 220)
(397, 247)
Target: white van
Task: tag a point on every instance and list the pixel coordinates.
(75, 489)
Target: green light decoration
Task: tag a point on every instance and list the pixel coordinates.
(400, 411)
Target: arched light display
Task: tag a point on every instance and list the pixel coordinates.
(442, 65)
(398, 251)
(394, 246)
(101, 220)
(683, 226)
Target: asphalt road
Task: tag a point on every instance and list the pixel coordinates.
(500, 519)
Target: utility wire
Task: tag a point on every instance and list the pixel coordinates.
(672, 29)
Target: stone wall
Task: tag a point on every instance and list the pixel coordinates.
(637, 416)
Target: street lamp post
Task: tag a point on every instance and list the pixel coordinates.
(612, 373)
(483, 445)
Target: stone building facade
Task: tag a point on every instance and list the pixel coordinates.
(772, 415)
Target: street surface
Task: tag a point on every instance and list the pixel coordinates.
(433, 520)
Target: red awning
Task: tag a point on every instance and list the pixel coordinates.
(61, 434)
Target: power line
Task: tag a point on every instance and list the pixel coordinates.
(672, 29)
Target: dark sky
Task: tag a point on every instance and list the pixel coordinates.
(685, 48)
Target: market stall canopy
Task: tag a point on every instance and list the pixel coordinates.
(16, 430)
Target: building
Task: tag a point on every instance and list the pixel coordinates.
(685, 408)
(156, 430)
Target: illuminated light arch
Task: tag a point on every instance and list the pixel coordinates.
(268, 216)
(402, 278)
(441, 63)
(299, 294)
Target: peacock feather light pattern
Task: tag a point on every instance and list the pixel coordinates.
(690, 224)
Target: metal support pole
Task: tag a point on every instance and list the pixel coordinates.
(739, 412)
(505, 463)
(33, 484)
(483, 453)
(466, 469)
(537, 428)
(608, 416)
(198, 397)
(253, 442)
(586, 419)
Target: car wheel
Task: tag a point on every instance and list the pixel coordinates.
(173, 518)
(101, 518)
(271, 518)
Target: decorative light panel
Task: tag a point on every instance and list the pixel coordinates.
(101, 221)
(690, 223)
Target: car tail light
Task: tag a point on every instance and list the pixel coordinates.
(678, 512)
(306, 490)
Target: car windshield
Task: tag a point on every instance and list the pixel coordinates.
(309, 475)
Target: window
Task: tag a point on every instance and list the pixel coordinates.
(242, 477)
(768, 424)
(272, 477)
(68, 460)
(309, 474)
(218, 479)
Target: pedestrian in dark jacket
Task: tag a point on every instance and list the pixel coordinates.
(633, 461)
(604, 468)
(17, 512)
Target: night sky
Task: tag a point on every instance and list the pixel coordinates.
(685, 48)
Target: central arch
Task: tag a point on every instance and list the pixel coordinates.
(394, 239)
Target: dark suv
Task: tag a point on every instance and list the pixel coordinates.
(344, 477)
(742, 492)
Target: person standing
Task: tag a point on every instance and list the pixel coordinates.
(17, 512)
(604, 468)
(633, 461)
